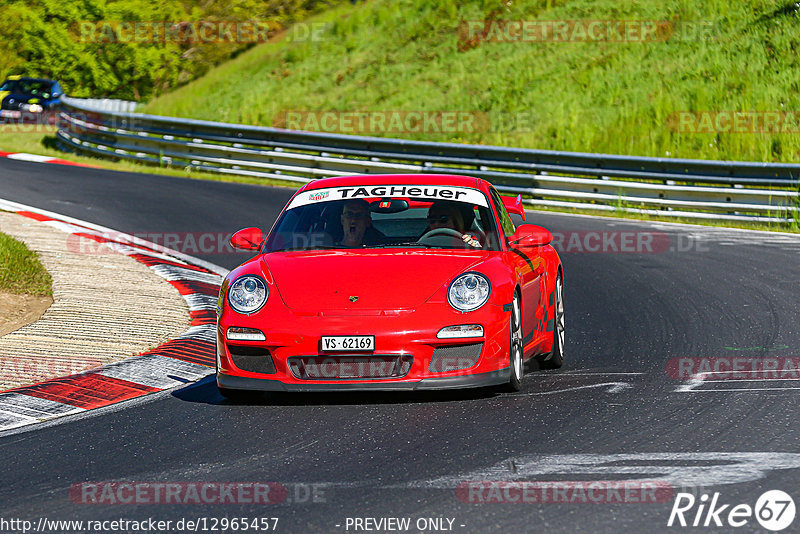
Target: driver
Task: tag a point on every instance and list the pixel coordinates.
(445, 214)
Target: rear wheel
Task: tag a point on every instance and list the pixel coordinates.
(516, 366)
(556, 357)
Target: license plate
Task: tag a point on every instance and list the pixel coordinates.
(348, 343)
(10, 114)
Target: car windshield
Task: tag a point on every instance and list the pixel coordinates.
(386, 217)
(10, 85)
(28, 87)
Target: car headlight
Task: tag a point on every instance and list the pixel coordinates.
(33, 108)
(469, 292)
(247, 294)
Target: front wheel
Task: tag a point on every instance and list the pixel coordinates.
(555, 359)
(516, 364)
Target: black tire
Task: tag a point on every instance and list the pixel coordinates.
(555, 359)
(516, 357)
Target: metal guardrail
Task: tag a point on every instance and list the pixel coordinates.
(672, 187)
(105, 104)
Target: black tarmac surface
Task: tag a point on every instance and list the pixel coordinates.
(717, 294)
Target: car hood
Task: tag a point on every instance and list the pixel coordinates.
(326, 280)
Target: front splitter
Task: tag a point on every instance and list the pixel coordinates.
(492, 378)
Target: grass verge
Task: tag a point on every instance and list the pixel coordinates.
(21, 272)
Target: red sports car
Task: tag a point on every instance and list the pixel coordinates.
(391, 282)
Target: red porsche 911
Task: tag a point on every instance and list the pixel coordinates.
(391, 282)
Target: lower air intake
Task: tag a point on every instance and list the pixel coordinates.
(454, 357)
(252, 359)
(349, 367)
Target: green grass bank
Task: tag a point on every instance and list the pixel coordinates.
(709, 59)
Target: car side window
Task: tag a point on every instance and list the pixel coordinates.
(505, 220)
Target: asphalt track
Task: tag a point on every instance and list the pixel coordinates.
(716, 294)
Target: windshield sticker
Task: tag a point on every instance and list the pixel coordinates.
(316, 197)
(435, 192)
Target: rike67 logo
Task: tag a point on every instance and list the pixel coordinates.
(774, 510)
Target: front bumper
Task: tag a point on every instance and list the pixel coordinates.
(491, 378)
(408, 335)
(18, 109)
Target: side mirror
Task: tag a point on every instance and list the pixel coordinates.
(514, 205)
(247, 239)
(530, 235)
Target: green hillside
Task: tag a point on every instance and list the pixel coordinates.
(627, 96)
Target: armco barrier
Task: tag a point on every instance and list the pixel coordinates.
(672, 187)
(105, 104)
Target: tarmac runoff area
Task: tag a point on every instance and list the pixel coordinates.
(106, 307)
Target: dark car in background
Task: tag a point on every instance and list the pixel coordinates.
(29, 96)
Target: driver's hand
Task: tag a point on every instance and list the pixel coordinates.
(471, 240)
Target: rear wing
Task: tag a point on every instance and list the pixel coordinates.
(514, 205)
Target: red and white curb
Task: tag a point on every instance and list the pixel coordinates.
(179, 361)
(24, 156)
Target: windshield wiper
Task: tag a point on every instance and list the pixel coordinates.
(414, 244)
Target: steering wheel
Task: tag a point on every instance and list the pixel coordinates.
(440, 231)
